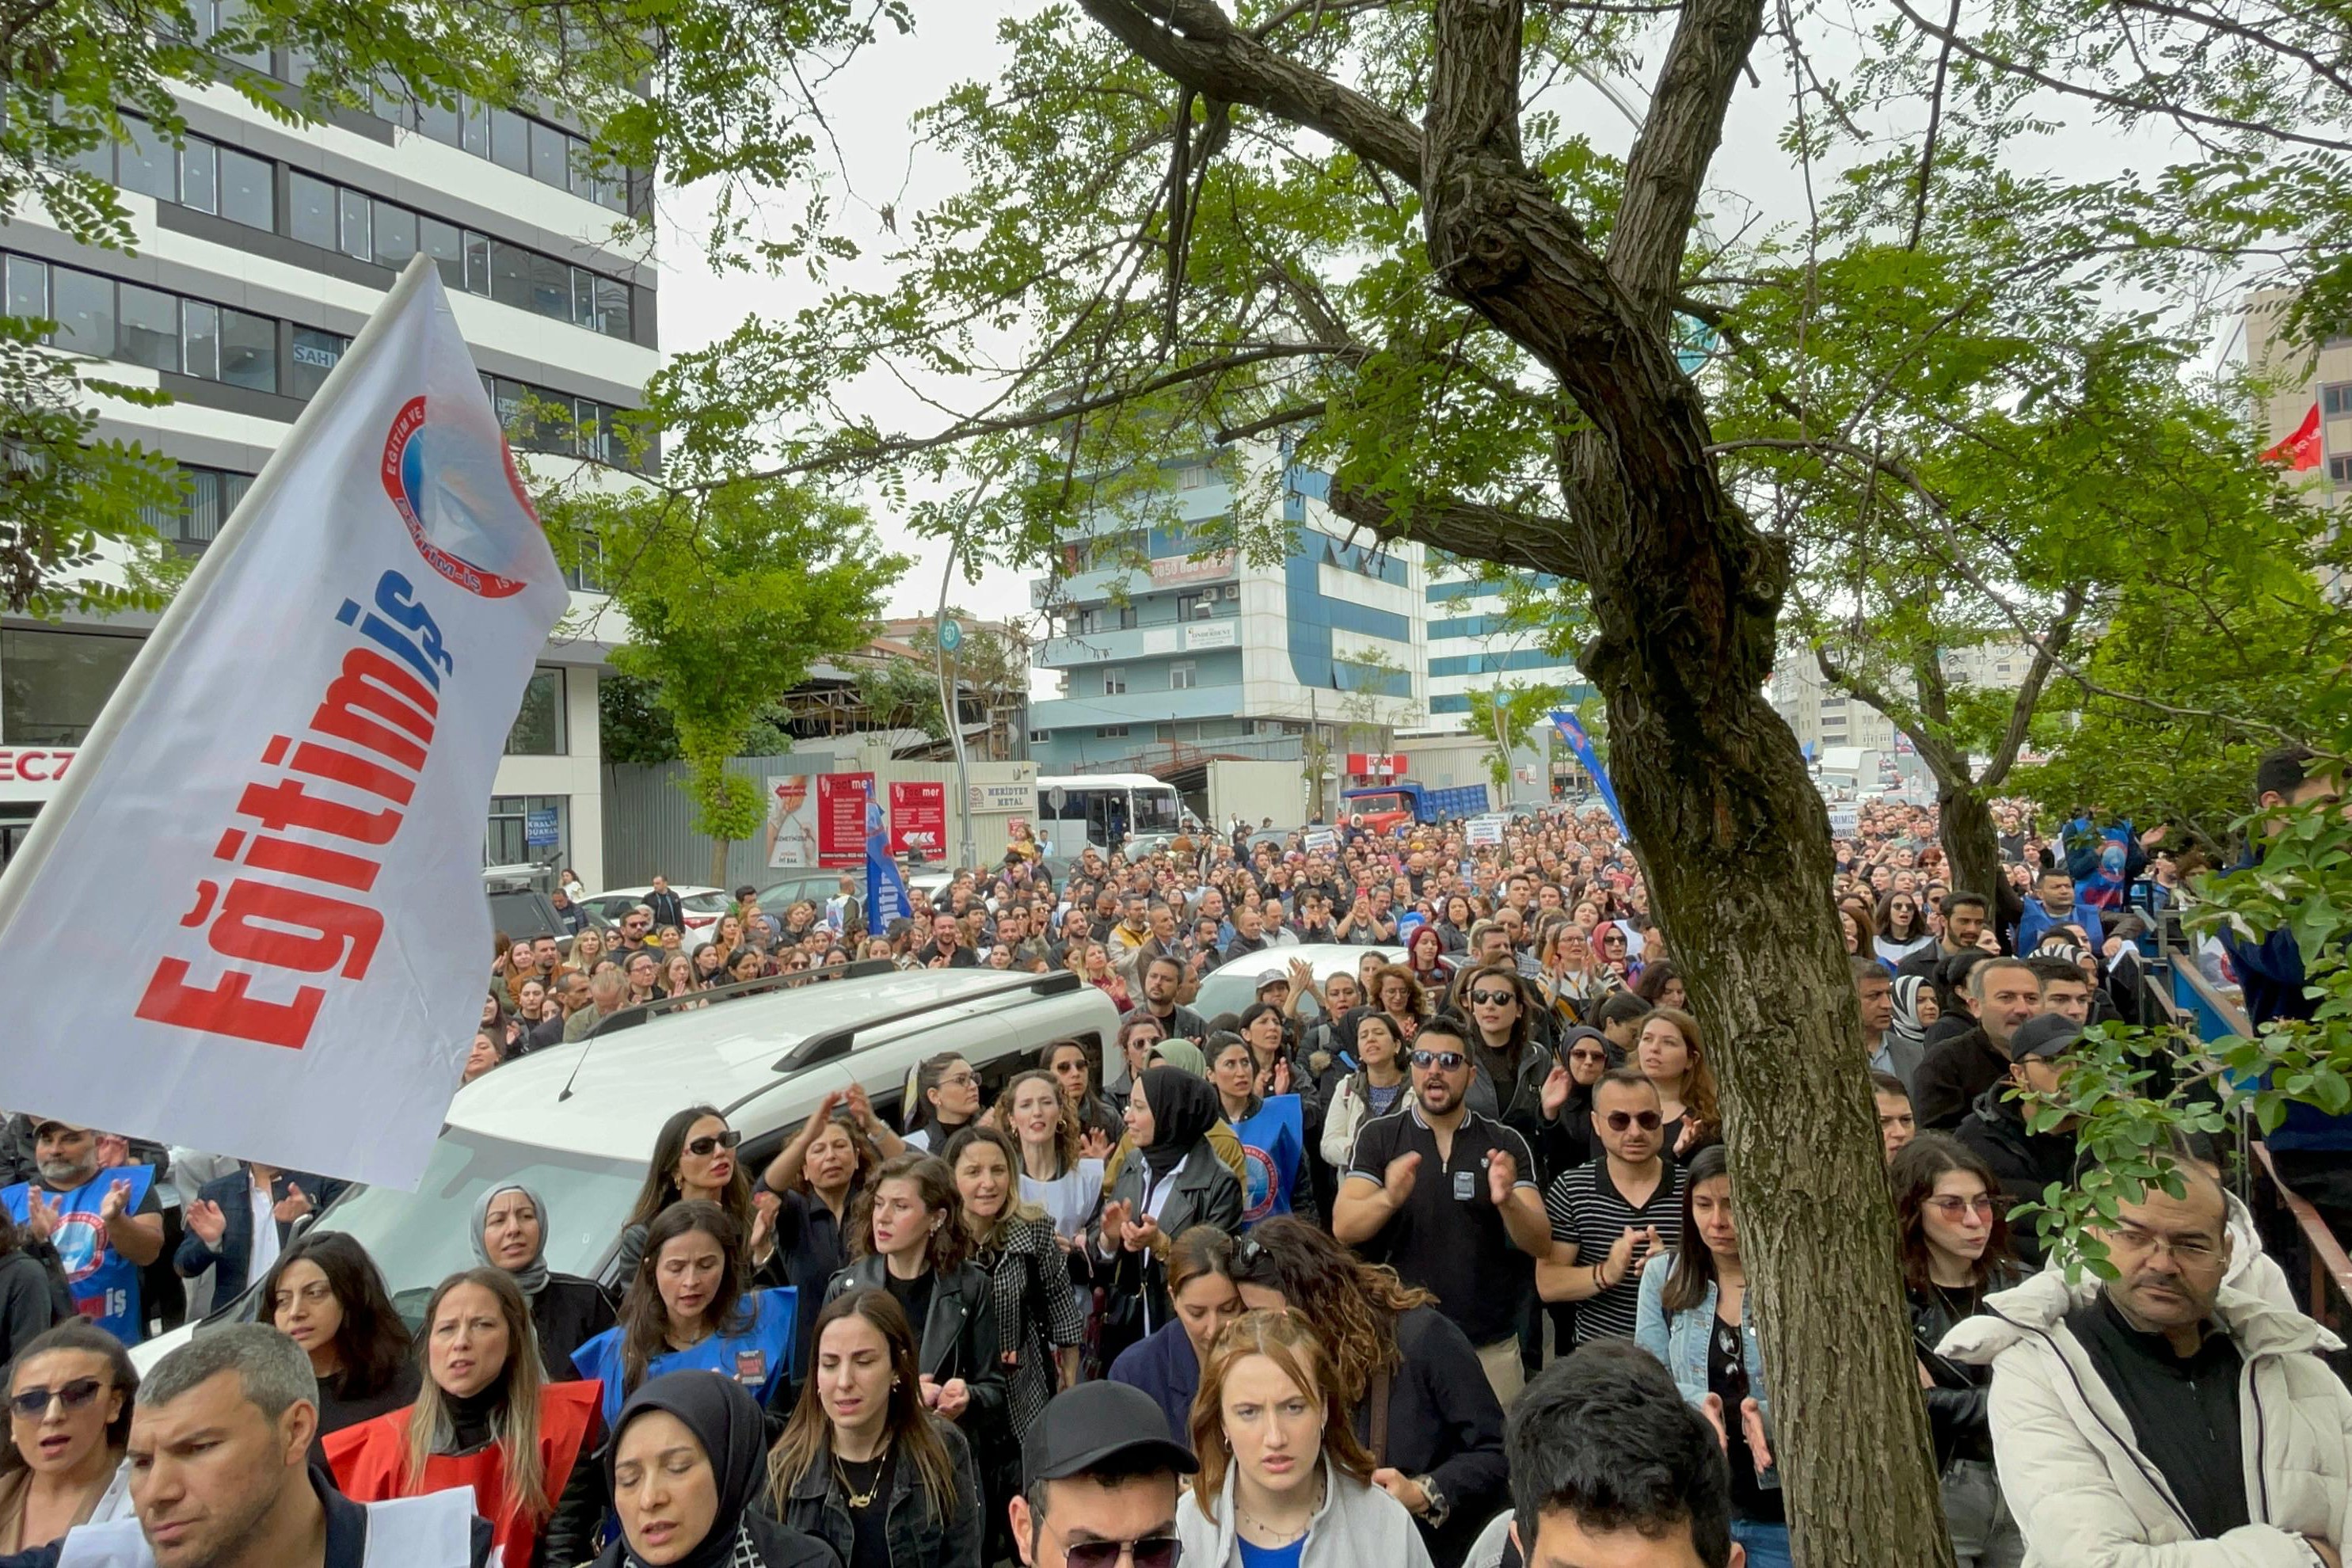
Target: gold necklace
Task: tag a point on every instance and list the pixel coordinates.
(864, 1499)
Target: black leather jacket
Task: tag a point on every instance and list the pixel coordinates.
(1958, 1406)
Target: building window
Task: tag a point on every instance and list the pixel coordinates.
(52, 684)
(1114, 680)
(248, 350)
(200, 175)
(207, 497)
(2340, 469)
(315, 355)
(145, 162)
(150, 329)
(1039, 737)
(395, 236)
(248, 190)
(83, 307)
(200, 338)
(358, 231)
(1195, 606)
(312, 214)
(2336, 399)
(1183, 676)
(1110, 733)
(516, 820)
(538, 724)
(1126, 617)
(1191, 478)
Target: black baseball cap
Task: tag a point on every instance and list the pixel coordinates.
(1096, 1425)
(2051, 1035)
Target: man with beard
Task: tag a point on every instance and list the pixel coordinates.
(105, 1223)
(1448, 1199)
(1162, 977)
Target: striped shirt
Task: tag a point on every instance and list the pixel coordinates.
(1586, 1209)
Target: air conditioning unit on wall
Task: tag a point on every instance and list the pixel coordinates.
(1232, 590)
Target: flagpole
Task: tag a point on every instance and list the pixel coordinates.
(161, 643)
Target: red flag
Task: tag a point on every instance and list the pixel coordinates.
(2300, 450)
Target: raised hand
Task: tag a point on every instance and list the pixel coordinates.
(1281, 1075)
(1095, 1143)
(860, 1106)
(1620, 1262)
(1556, 1087)
(1712, 1409)
(207, 1221)
(293, 1206)
(764, 1220)
(1114, 1224)
(117, 1202)
(42, 1214)
(1502, 1175)
(113, 1150)
(1140, 1235)
(1398, 1179)
(954, 1398)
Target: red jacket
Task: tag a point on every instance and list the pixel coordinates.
(370, 1462)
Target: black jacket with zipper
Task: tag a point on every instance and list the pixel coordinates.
(2025, 1162)
(956, 1337)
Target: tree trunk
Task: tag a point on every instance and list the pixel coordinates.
(1972, 846)
(718, 863)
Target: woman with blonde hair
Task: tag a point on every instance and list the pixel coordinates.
(486, 1418)
(1283, 1476)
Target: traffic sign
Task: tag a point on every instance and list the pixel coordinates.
(950, 634)
(1058, 798)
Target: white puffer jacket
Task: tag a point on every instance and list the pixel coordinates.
(1357, 1527)
(2074, 1475)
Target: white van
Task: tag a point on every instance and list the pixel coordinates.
(576, 1123)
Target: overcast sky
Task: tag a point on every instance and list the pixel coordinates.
(870, 103)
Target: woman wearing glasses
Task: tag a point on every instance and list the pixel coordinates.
(694, 1157)
(1283, 1478)
(946, 1096)
(863, 1466)
(688, 1305)
(1409, 1376)
(1695, 1317)
(1954, 1242)
(68, 1423)
(1171, 1180)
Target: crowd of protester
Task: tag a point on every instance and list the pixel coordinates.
(1434, 1261)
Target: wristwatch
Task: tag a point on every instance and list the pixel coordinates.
(1434, 1514)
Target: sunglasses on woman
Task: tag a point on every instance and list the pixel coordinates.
(1952, 1208)
(709, 1144)
(1482, 997)
(33, 1403)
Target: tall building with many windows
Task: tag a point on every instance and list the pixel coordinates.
(1168, 654)
(260, 249)
(1476, 644)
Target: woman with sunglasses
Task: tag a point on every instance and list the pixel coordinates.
(1408, 1375)
(1696, 1316)
(1167, 1363)
(1609, 950)
(864, 1465)
(70, 1395)
(1902, 928)
(1171, 1180)
(1283, 1478)
(907, 1237)
(689, 1305)
(1668, 1051)
(947, 1095)
(694, 1158)
(1953, 1238)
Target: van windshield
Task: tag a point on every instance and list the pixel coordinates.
(419, 1238)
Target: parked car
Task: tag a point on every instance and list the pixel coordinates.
(701, 906)
(1233, 986)
(525, 914)
(576, 1122)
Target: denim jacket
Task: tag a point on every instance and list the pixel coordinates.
(1680, 1343)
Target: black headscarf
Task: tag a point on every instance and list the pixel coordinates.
(726, 1421)
(1183, 1109)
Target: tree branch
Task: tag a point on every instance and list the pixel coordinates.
(1678, 139)
(1935, 126)
(2037, 674)
(1194, 42)
(1463, 528)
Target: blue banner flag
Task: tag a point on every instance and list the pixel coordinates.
(886, 891)
(1571, 730)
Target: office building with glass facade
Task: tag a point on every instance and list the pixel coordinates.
(259, 251)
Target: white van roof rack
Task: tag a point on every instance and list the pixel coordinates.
(836, 1042)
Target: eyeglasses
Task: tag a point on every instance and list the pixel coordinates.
(704, 1147)
(1588, 1056)
(1647, 1121)
(1952, 1208)
(1147, 1551)
(1444, 1061)
(1485, 998)
(964, 1079)
(32, 1404)
(2188, 1250)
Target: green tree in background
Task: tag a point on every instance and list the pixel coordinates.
(729, 597)
(1502, 717)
